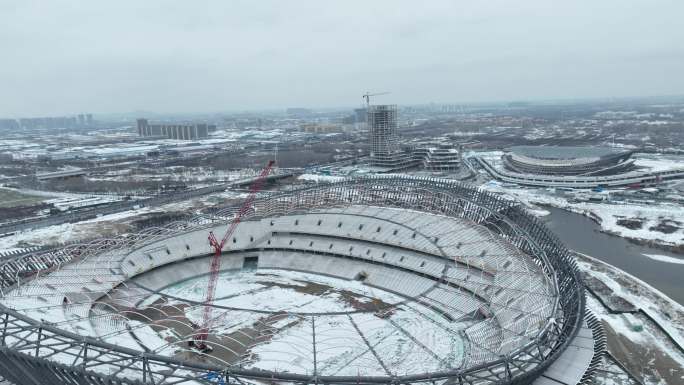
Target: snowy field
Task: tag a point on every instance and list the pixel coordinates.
(99, 227)
(106, 225)
(320, 178)
(60, 200)
(612, 216)
(178, 174)
(346, 316)
(658, 162)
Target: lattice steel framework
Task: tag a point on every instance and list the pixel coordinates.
(38, 352)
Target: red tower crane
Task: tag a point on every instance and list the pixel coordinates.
(201, 336)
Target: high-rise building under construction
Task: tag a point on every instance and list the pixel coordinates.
(385, 151)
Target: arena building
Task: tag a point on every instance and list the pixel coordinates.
(373, 280)
(577, 161)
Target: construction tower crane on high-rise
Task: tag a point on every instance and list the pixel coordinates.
(200, 338)
(367, 96)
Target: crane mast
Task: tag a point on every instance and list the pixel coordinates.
(199, 342)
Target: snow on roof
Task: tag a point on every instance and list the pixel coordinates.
(564, 152)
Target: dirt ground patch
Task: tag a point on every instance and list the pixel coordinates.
(11, 198)
(666, 226)
(631, 223)
(236, 347)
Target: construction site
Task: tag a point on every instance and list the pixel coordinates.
(373, 280)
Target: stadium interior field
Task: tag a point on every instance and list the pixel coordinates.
(353, 289)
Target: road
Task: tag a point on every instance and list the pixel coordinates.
(120, 206)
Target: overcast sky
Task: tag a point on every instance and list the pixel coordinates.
(65, 57)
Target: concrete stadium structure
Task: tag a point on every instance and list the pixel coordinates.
(373, 280)
(557, 160)
(581, 182)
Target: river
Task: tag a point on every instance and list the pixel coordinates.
(582, 234)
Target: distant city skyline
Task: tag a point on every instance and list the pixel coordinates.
(62, 58)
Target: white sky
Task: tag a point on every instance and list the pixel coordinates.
(64, 57)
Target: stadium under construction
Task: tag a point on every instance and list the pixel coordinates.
(385, 280)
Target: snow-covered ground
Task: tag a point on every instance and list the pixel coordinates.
(341, 348)
(668, 312)
(71, 232)
(609, 214)
(67, 198)
(665, 259)
(658, 360)
(320, 178)
(179, 174)
(651, 215)
(659, 162)
(232, 283)
(106, 225)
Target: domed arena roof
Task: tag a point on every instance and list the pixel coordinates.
(565, 152)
